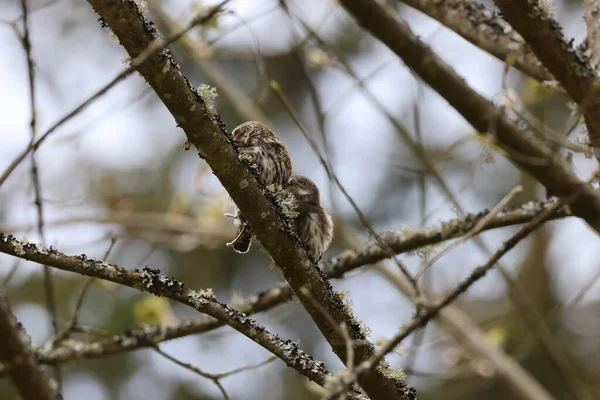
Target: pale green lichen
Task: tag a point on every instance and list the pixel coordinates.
(365, 330)
(542, 9)
(209, 293)
(272, 188)
(396, 374)
(343, 297)
(239, 302)
(209, 95)
(425, 252)
(19, 247)
(347, 303)
(199, 298)
(553, 85)
(583, 140)
(143, 6)
(246, 156)
(287, 202)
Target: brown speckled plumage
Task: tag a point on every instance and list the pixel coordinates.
(263, 149)
(313, 225)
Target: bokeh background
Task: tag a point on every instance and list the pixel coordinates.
(118, 172)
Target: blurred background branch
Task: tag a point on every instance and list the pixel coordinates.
(113, 176)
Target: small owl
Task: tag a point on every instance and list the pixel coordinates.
(312, 223)
(259, 145)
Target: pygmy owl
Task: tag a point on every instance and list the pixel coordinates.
(312, 223)
(259, 145)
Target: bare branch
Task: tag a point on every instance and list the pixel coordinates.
(470, 337)
(535, 22)
(336, 267)
(35, 177)
(433, 309)
(591, 11)
(527, 152)
(216, 378)
(485, 29)
(149, 51)
(182, 232)
(151, 281)
(195, 370)
(237, 98)
(79, 303)
(472, 232)
(15, 353)
(203, 128)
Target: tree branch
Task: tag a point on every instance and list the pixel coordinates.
(237, 98)
(204, 129)
(486, 30)
(524, 150)
(591, 12)
(474, 340)
(538, 27)
(432, 309)
(35, 177)
(15, 353)
(336, 267)
(151, 281)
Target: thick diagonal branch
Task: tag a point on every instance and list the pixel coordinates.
(592, 23)
(486, 30)
(203, 128)
(537, 25)
(15, 353)
(522, 148)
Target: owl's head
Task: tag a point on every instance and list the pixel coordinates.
(304, 190)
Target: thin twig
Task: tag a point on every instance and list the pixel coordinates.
(10, 275)
(333, 177)
(470, 336)
(474, 231)
(152, 281)
(194, 369)
(341, 328)
(79, 304)
(334, 268)
(238, 99)
(537, 324)
(35, 178)
(14, 21)
(537, 25)
(15, 352)
(432, 310)
(153, 49)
